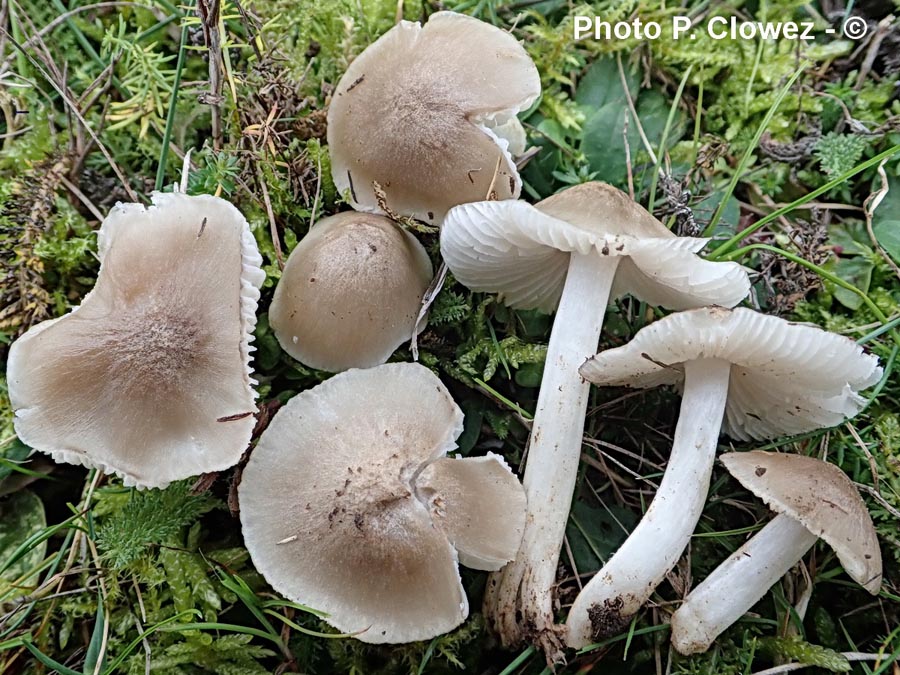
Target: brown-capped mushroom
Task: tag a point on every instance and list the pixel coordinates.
(419, 115)
(350, 292)
(149, 377)
(349, 505)
(815, 500)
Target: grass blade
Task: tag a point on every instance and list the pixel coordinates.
(173, 106)
(748, 153)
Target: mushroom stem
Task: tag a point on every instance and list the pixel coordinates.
(739, 583)
(522, 593)
(628, 579)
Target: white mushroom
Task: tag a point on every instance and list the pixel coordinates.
(427, 113)
(149, 377)
(350, 292)
(348, 504)
(766, 376)
(815, 501)
(571, 252)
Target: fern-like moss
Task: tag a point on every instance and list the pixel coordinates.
(149, 518)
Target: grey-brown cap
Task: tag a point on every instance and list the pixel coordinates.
(149, 377)
(349, 506)
(421, 112)
(350, 292)
(821, 498)
(522, 252)
(786, 378)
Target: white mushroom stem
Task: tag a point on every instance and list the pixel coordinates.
(527, 583)
(739, 583)
(628, 579)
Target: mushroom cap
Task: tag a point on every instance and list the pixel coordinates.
(786, 378)
(335, 515)
(511, 132)
(413, 112)
(149, 377)
(350, 292)
(461, 494)
(821, 498)
(522, 252)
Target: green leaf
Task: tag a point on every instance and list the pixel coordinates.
(529, 375)
(148, 518)
(21, 516)
(548, 139)
(499, 423)
(887, 232)
(268, 351)
(449, 307)
(851, 238)
(728, 219)
(603, 139)
(601, 85)
(229, 654)
(535, 324)
(47, 661)
(188, 578)
(14, 453)
(857, 271)
(473, 409)
(826, 630)
(839, 153)
(595, 533)
(889, 208)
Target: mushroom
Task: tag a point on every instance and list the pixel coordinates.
(426, 116)
(766, 376)
(149, 378)
(349, 505)
(350, 292)
(814, 500)
(571, 252)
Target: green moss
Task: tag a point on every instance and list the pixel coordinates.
(140, 520)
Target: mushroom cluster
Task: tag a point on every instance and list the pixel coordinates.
(753, 376)
(573, 252)
(348, 501)
(149, 378)
(738, 369)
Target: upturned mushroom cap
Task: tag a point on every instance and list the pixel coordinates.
(350, 292)
(785, 378)
(522, 252)
(347, 505)
(821, 498)
(414, 113)
(149, 377)
(458, 491)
